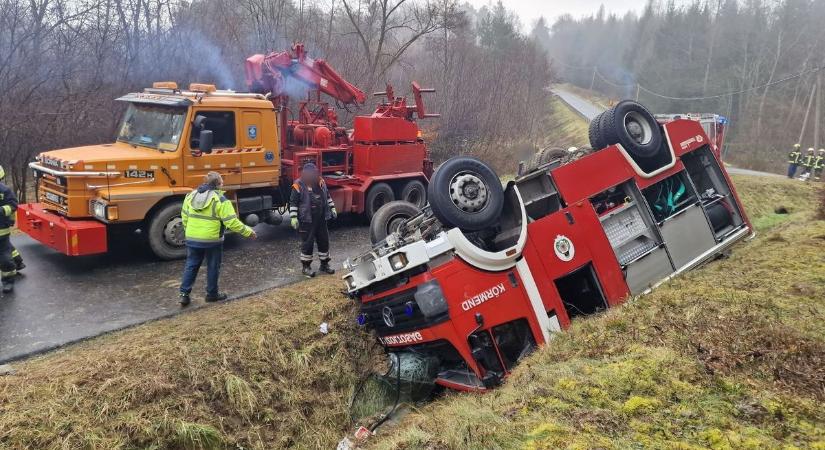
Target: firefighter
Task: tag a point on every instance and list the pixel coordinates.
(808, 163)
(310, 206)
(819, 164)
(8, 206)
(794, 158)
(206, 214)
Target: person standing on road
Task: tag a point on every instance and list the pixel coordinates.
(206, 215)
(794, 158)
(310, 206)
(819, 164)
(8, 207)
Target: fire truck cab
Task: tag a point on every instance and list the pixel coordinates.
(571, 238)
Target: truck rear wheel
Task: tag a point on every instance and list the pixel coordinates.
(632, 125)
(466, 193)
(378, 195)
(166, 234)
(414, 192)
(387, 220)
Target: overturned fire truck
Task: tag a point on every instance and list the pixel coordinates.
(460, 291)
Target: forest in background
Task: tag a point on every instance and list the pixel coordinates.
(63, 62)
(706, 48)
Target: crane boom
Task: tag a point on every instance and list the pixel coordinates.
(293, 73)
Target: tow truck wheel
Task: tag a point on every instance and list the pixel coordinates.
(387, 220)
(414, 192)
(632, 125)
(379, 195)
(466, 193)
(166, 234)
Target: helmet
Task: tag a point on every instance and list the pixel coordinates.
(2, 173)
(810, 149)
(822, 150)
(796, 146)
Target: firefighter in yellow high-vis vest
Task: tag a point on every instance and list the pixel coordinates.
(206, 215)
(8, 207)
(819, 164)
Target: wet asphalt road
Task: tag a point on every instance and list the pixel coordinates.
(62, 299)
(579, 104)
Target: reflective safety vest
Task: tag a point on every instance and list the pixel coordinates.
(8, 206)
(794, 156)
(808, 161)
(206, 215)
(819, 162)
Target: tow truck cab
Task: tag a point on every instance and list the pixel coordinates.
(573, 239)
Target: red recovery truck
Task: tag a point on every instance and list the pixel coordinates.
(170, 138)
(460, 291)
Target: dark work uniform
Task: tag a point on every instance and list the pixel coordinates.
(313, 206)
(8, 207)
(794, 158)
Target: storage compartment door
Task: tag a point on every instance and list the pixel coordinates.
(648, 269)
(687, 235)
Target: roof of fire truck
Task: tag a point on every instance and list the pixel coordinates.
(167, 93)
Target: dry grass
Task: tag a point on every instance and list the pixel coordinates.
(250, 374)
(729, 356)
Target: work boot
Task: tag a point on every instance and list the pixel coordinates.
(210, 298)
(185, 300)
(307, 270)
(8, 288)
(325, 268)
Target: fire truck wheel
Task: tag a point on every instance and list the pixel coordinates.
(595, 134)
(387, 219)
(632, 125)
(415, 192)
(379, 195)
(544, 156)
(466, 193)
(166, 238)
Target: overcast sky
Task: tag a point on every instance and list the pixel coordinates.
(530, 10)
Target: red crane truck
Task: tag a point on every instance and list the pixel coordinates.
(460, 291)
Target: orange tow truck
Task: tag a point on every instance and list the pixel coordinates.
(170, 138)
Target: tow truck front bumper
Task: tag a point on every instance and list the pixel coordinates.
(70, 237)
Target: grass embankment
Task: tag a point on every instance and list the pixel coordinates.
(567, 129)
(249, 374)
(729, 356)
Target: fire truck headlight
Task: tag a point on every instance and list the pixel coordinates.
(350, 282)
(398, 261)
(430, 299)
(99, 210)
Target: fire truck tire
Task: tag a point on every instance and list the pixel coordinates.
(377, 196)
(632, 125)
(594, 133)
(544, 156)
(466, 193)
(165, 233)
(414, 192)
(387, 219)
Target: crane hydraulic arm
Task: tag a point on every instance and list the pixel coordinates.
(293, 73)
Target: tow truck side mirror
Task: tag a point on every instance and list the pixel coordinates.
(205, 141)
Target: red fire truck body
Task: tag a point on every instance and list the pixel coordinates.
(574, 239)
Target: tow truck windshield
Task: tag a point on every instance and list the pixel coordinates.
(152, 126)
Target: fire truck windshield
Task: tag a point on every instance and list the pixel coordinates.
(152, 126)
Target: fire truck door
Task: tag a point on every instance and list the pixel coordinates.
(258, 163)
(225, 157)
